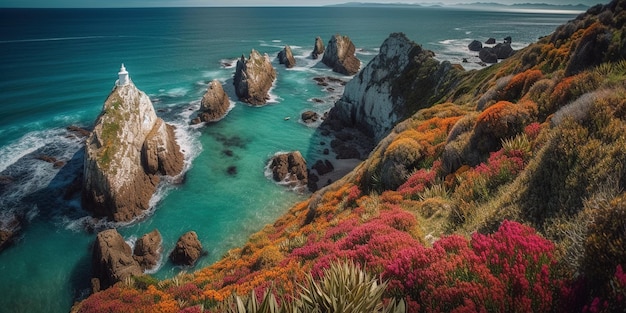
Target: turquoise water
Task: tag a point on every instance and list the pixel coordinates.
(58, 67)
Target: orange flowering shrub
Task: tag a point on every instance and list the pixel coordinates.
(520, 84)
(500, 121)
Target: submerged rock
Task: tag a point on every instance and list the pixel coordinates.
(289, 168)
(318, 48)
(254, 78)
(214, 104)
(285, 57)
(126, 153)
(339, 55)
(188, 249)
(112, 260)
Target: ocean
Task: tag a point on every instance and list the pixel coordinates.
(59, 65)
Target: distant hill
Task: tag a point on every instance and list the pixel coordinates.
(474, 5)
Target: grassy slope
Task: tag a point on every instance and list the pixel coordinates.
(538, 139)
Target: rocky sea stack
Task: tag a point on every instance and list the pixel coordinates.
(214, 104)
(289, 169)
(254, 78)
(127, 152)
(318, 48)
(285, 57)
(339, 55)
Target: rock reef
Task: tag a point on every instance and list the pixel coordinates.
(254, 78)
(339, 55)
(127, 152)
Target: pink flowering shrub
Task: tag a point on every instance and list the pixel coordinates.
(419, 181)
(508, 271)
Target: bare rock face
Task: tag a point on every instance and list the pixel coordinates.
(289, 168)
(112, 260)
(285, 56)
(214, 104)
(254, 78)
(318, 48)
(147, 250)
(339, 55)
(126, 153)
(475, 45)
(188, 249)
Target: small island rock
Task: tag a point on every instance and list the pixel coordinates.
(254, 78)
(318, 48)
(309, 117)
(188, 249)
(285, 57)
(289, 168)
(475, 45)
(214, 104)
(487, 55)
(340, 55)
(112, 260)
(147, 250)
(490, 41)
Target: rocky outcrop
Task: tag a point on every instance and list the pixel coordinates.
(309, 117)
(490, 41)
(499, 51)
(285, 57)
(188, 249)
(487, 55)
(126, 153)
(254, 78)
(112, 260)
(475, 45)
(339, 55)
(289, 168)
(318, 48)
(147, 250)
(376, 99)
(214, 104)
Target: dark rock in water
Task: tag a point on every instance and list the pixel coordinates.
(231, 170)
(254, 78)
(289, 168)
(112, 260)
(487, 55)
(340, 55)
(9, 231)
(490, 41)
(228, 153)
(318, 48)
(503, 50)
(326, 151)
(309, 117)
(285, 57)
(465, 60)
(475, 45)
(148, 250)
(188, 249)
(214, 104)
(195, 121)
(317, 100)
(508, 40)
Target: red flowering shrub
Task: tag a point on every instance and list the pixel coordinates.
(419, 181)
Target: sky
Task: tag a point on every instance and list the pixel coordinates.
(203, 3)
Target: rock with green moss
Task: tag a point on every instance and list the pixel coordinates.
(128, 151)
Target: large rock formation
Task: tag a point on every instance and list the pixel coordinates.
(285, 56)
(188, 249)
(289, 168)
(339, 55)
(112, 260)
(127, 152)
(376, 99)
(318, 48)
(214, 104)
(254, 78)
(147, 250)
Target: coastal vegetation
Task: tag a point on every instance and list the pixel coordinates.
(505, 194)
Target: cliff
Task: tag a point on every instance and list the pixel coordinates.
(402, 78)
(127, 152)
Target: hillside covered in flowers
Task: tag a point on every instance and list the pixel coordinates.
(505, 196)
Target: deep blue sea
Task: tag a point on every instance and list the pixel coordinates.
(58, 66)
